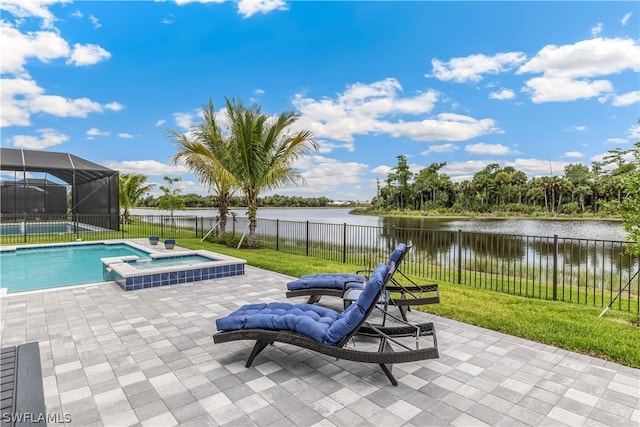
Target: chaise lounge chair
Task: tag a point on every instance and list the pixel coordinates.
(326, 331)
(340, 284)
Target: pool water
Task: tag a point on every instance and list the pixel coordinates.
(181, 260)
(46, 267)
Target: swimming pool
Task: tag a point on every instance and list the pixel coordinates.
(30, 268)
(31, 228)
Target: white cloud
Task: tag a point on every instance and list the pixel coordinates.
(160, 122)
(96, 23)
(125, 135)
(597, 29)
(324, 174)
(442, 148)
(472, 68)
(147, 167)
(626, 99)
(587, 58)
(465, 168)
(87, 54)
(114, 106)
(77, 14)
(502, 94)
(327, 147)
(30, 8)
(167, 21)
(374, 109)
(535, 167)
(562, 89)
(617, 141)
(184, 120)
(45, 46)
(47, 138)
(574, 154)
(22, 97)
(634, 132)
(247, 8)
(578, 128)
(96, 132)
(493, 149)
(625, 18)
(382, 170)
(259, 92)
(18, 47)
(566, 68)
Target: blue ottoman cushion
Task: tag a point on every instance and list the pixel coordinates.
(327, 281)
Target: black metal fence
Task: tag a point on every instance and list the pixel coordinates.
(583, 271)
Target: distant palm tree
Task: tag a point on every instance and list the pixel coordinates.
(132, 187)
(206, 153)
(263, 153)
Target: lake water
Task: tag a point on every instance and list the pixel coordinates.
(578, 229)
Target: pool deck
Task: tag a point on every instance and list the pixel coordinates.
(146, 357)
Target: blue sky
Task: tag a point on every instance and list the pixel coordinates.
(534, 85)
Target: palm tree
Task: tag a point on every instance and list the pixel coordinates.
(263, 153)
(133, 187)
(207, 154)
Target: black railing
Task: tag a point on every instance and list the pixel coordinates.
(584, 271)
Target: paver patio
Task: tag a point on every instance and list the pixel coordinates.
(146, 357)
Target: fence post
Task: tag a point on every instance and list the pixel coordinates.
(277, 234)
(344, 243)
(233, 227)
(307, 238)
(555, 267)
(459, 256)
(161, 226)
(24, 224)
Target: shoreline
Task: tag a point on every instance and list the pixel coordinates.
(482, 216)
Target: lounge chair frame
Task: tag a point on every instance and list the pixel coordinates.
(385, 357)
(412, 294)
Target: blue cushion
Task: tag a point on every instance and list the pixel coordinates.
(397, 253)
(327, 281)
(307, 319)
(371, 292)
(353, 315)
(346, 323)
(320, 323)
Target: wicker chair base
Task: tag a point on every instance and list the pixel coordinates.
(385, 357)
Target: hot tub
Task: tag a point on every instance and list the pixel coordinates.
(132, 273)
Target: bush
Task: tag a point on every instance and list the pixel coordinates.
(570, 208)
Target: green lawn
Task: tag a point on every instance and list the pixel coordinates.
(614, 337)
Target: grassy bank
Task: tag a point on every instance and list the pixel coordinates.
(615, 337)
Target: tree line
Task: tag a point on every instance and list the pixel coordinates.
(599, 188)
(193, 200)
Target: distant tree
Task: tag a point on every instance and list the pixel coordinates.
(630, 208)
(133, 187)
(171, 200)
